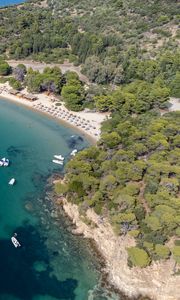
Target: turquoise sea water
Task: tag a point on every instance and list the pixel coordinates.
(10, 2)
(51, 264)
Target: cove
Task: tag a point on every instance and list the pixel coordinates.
(51, 264)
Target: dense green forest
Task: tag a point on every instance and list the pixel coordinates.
(133, 177)
(135, 97)
(129, 49)
(115, 41)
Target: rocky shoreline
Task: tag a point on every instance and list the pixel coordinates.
(81, 228)
(155, 282)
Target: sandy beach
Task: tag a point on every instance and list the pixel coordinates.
(89, 123)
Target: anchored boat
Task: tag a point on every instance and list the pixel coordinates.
(12, 181)
(59, 162)
(59, 157)
(15, 242)
(4, 162)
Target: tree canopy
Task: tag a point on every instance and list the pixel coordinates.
(133, 174)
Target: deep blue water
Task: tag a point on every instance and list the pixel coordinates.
(10, 2)
(52, 263)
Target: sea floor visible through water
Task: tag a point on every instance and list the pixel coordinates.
(52, 263)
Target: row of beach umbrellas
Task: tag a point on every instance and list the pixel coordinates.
(67, 116)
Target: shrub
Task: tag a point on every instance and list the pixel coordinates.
(134, 233)
(60, 188)
(178, 231)
(162, 251)
(5, 68)
(15, 84)
(162, 20)
(176, 253)
(138, 257)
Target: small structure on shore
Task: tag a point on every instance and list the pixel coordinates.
(29, 97)
(13, 92)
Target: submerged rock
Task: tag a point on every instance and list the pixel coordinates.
(74, 140)
(14, 151)
(77, 231)
(38, 179)
(40, 266)
(29, 206)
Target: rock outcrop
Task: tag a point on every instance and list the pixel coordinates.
(156, 281)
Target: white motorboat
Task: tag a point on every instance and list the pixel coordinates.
(59, 157)
(73, 153)
(59, 162)
(15, 242)
(4, 162)
(12, 181)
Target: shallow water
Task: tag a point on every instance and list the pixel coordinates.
(51, 264)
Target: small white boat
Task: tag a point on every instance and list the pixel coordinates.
(12, 181)
(73, 153)
(59, 157)
(59, 162)
(15, 242)
(4, 162)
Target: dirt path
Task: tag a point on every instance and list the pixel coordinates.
(40, 67)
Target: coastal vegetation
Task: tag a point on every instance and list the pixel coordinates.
(132, 176)
(5, 69)
(129, 51)
(136, 97)
(67, 86)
